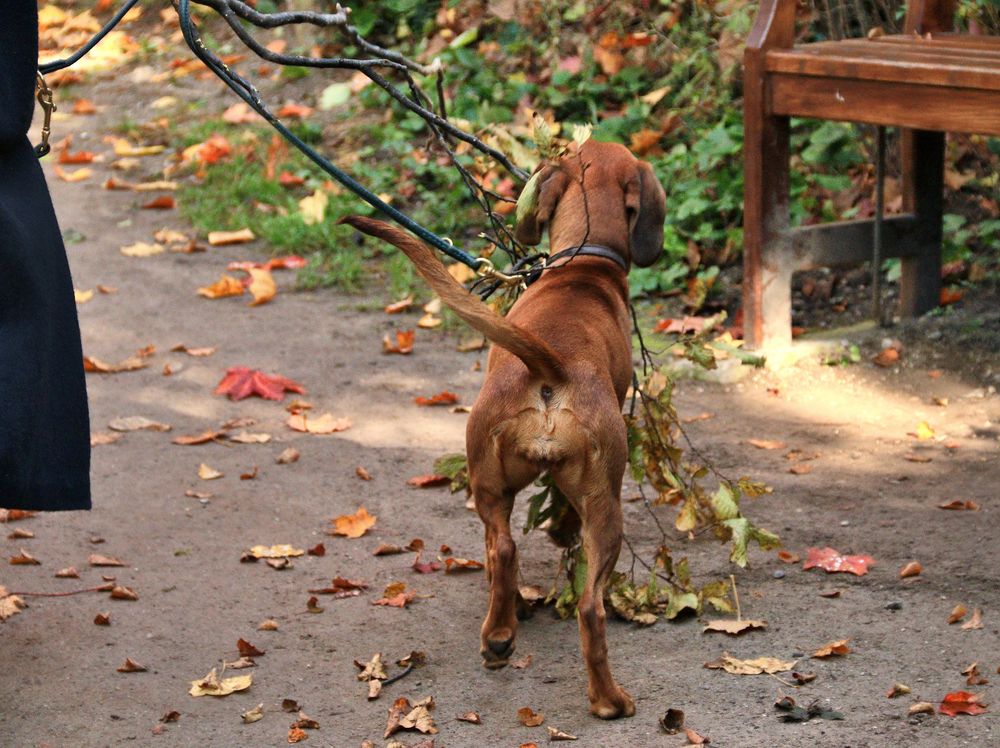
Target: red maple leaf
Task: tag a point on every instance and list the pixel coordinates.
(831, 560)
(961, 702)
(441, 398)
(241, 382)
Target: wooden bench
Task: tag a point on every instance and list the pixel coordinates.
(927, 81)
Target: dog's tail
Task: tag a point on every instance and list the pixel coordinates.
(540, 358)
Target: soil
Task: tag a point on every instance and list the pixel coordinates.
(864, 494)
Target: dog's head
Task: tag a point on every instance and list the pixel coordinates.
(624, 206)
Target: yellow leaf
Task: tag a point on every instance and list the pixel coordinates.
(313, 207)
(461, 273)
(429, 322)
(77, 175)
(734, 627)
(924, 431)
(275, 551)
(142, 249)
(262, 286)
(653, 97)
(220, 238)
(124, 148)
(757, 666)
(82, 297)
(227, 285)
(210, 685)
(208, 473)
(354, 525)
(324, 424)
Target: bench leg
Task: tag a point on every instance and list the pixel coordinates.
(767, 261)
(923, 186)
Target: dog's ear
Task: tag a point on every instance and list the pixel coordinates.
(550, 183)
(646, 206)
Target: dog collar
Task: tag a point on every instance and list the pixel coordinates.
(590, 250)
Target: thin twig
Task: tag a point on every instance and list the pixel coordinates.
(398, 676)
(101, 588)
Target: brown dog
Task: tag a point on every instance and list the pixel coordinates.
(556, 380)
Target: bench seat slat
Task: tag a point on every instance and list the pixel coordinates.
(889, 61)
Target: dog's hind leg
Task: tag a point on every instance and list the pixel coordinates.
(500, 626)
(602, 538)
(592, 482)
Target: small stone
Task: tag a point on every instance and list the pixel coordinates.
(779, 574)
(894, 605)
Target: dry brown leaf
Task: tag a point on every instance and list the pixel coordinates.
(387, 549)
(275, 551)
(556, 735)
(770, 665)
(253, 715)
(912, 569)
(694, 738)
(227, 285)
(208, 473)
(97, 560)
(898, 689)
(529, 718)
(522, 663)
(960, 505)
(313, 606)
(973, 676)
(324, 424)
(789, 558)
(77, 175)
(800, 468)
(400, 306)
(921, 707)
(211, 685)
(262, 286)
(98, 438)
(733, 627)
(97, 366)
(766, 443)
(142, 249)
(222, 238)
(472, 717)
(68, 573)
(121, 592)
(974, 622)
(362, 473)
(957, 613)
(247, 437)
(23, 558)
(102, 619)
(353, 525)
(288, 455)
(131, 666)
(20, 534)
(246, 649)
(137, 423)
(268, 624)
(199, 352)
(10, 605)
(833, 649)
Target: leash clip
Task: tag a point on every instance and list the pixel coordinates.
(44, 95)
(485, 269)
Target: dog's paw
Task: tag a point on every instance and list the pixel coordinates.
(613, 707)
(497, 649)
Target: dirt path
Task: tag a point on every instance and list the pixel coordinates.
(58, 679)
